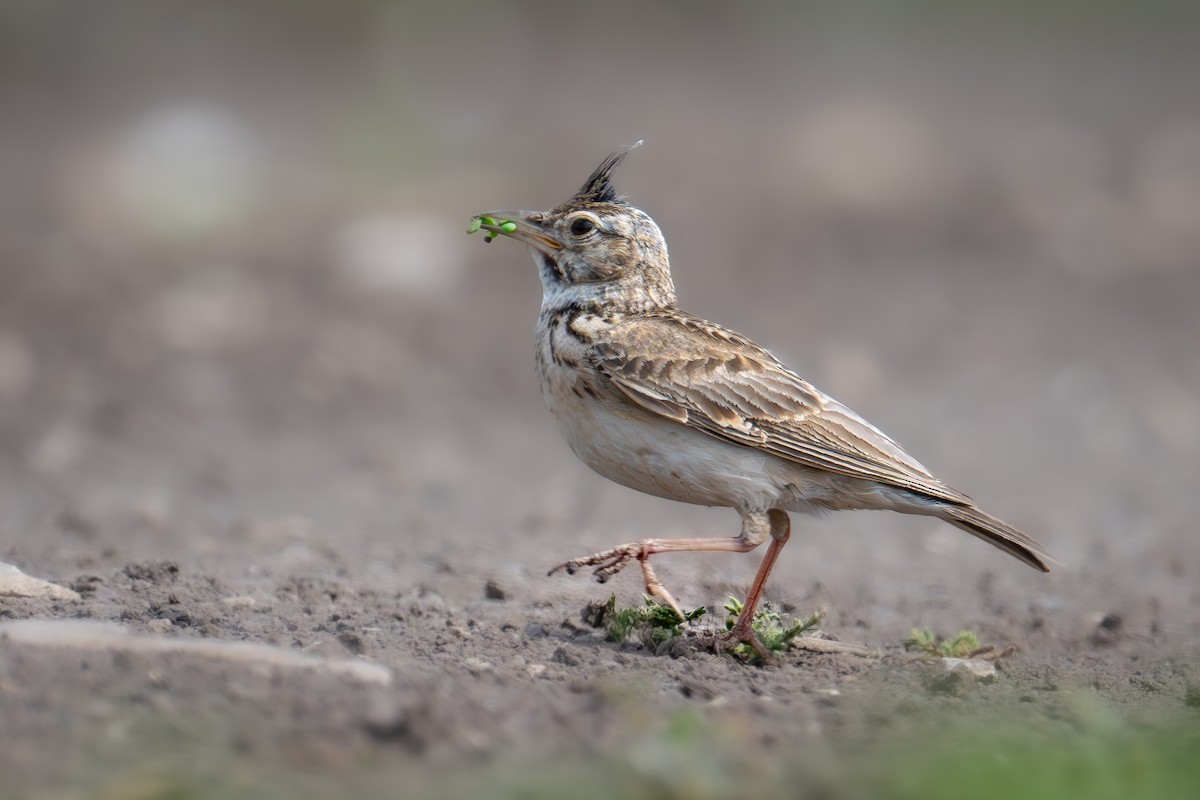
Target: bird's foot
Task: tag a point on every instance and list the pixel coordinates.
(609, 562)
(740, 634)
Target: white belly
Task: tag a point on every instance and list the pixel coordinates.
(660, 457)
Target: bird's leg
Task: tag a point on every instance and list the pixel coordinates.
(655, 588)
(742, 631)
(607, 563)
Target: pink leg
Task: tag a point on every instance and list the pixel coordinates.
(610, 562)
(781, 531)
(756, 526)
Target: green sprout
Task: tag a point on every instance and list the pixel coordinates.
(494, 226)
(769, 627)
(653, 624)
(649, 625)
(963, 644)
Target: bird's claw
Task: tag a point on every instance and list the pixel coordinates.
(606, 563)
(609, 562)
(737, 635)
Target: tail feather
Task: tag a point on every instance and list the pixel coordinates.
(999, 534)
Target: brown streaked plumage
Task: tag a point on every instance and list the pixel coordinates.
(672, 405)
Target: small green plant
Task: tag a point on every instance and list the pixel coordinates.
(963, 644)
(494, 226)
(769, 627)
(650, 624)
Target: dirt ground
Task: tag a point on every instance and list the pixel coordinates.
(257, 386)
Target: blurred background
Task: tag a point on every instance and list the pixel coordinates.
(239, 314)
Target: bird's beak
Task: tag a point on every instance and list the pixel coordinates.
(531, 229)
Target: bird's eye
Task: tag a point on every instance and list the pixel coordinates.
(582, 226)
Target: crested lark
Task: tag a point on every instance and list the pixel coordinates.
(666, 403)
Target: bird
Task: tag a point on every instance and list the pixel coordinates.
(664, 402)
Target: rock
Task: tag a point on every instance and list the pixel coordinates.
(387, 720)
(597, 613)
(477, 666)
(156, 571)
(1108, 629)
(87, 584)
(352, 642)
(960, 675)
(697, 690)
(566, 657)
(107, 637)
(14, 583)
(492, 591)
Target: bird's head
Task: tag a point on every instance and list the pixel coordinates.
(595, 248)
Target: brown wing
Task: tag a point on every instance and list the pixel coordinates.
(700, 374)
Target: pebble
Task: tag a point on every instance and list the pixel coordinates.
(15, 583)
(960, 675)
(477, 666)
(565, 657)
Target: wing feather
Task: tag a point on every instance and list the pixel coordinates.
(717, 381)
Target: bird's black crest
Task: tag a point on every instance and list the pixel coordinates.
(598, 187)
